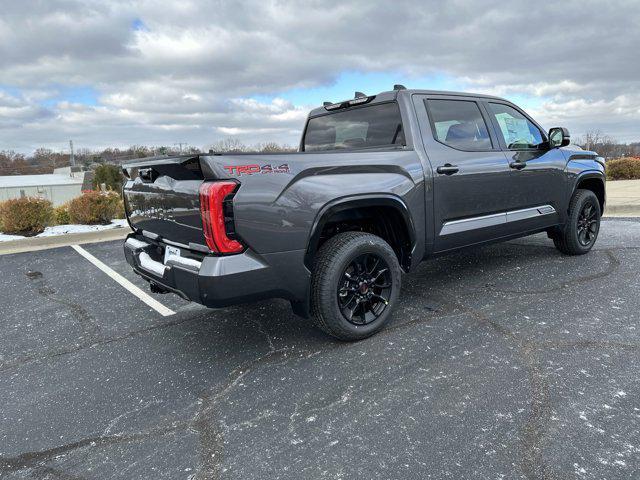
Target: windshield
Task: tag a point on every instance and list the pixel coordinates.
(372, 126)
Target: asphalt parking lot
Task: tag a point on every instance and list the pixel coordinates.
(509, 361)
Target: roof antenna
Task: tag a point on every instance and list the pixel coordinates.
(360, 95)
(399, 87)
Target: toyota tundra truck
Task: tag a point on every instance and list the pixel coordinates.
(379, 183)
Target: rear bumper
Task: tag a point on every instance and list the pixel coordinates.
(222, 281)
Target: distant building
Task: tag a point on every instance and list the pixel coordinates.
(58, 187)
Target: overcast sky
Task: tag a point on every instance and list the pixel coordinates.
(119, 73)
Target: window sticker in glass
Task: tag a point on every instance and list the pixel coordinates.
(518, 132)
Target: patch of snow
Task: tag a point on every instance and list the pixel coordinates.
(65, 229)
(7, 238)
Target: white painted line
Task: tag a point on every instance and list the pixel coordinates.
(142, 295)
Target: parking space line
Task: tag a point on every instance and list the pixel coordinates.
(142, 295)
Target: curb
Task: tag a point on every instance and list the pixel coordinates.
(44, 243)
(621, 211)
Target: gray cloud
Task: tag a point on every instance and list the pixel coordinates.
(182, 76)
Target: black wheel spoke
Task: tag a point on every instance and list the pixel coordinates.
(363, 264)
(587, 210)
(380, 272)
(348, 311)
(347, 299)
(381, 298)
(582, 236)
(375, 265)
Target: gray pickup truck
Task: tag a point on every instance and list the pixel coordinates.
(379, 184)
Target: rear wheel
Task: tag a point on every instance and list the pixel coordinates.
(355, 284)
(580, 232)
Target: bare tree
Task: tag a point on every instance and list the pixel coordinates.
(274, 147)
(233, 145)
(12, 163)
(604, 144)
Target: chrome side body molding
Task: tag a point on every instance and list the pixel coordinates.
(473, 223)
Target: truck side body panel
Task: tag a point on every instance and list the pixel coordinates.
(275, 212)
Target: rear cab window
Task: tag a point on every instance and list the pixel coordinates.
(371, 126)
(459, 124)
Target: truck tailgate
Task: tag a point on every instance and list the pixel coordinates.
(161, 197)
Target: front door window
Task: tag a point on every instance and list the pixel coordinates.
(518, 132)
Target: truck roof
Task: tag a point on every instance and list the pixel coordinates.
(393, 94)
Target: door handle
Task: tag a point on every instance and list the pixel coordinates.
(518, 165)
(447, 169)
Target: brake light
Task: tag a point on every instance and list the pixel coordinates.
(212, 199)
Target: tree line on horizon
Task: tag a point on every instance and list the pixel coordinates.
(44, 160)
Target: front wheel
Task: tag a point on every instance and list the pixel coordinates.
(355, 284)
(580, 232)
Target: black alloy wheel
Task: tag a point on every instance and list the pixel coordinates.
(365, 289)
(588, 224)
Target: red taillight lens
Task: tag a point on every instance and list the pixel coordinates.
(212, 196)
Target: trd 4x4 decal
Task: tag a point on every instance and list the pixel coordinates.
(255, 168)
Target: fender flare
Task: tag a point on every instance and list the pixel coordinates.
(357, 201)
(589, 174)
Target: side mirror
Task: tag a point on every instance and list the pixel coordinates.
(559, 137)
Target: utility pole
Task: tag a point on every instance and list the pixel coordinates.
(180, 144)
(72, 159)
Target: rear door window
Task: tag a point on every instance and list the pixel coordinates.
(365, 127)
(459, 124)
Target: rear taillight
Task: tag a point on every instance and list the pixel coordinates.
(217, 216)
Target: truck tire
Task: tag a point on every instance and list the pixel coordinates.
(580, 232)
(355, 284)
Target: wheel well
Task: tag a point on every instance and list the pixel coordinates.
(596, 186)
(385, 221)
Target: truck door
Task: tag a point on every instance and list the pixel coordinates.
(469, 168)
(537, 183)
